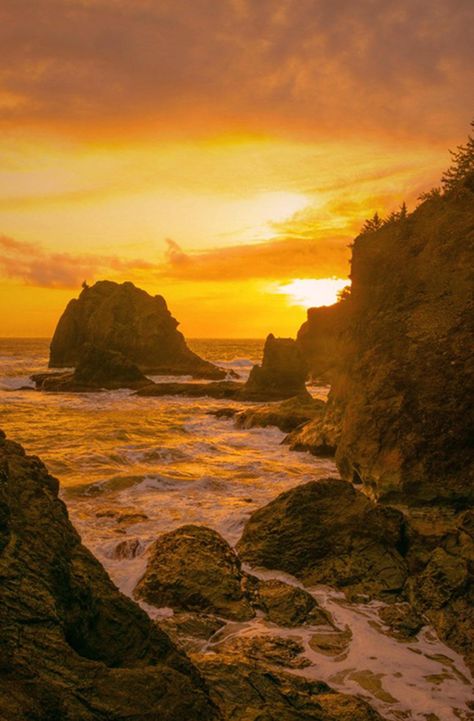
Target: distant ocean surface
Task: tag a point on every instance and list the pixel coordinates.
(133, 467)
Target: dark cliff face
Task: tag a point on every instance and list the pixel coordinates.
(404, 380)
(71, 646)
(319, 339)
(123, 318)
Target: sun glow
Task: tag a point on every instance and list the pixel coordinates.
(311, 293)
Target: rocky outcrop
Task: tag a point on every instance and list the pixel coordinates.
(219, 389)
(320, 337)
(126, 319)
(286, 415)
(282, 373)
(405, 378)
(97, 369)
(255, 690)
(73, 647)
(320, 436)
(327, 532)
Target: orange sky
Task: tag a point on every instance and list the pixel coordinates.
(218, 152)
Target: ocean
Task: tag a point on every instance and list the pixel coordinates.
(134, 467)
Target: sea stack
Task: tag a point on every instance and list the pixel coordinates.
(123, 318)
(282, 373)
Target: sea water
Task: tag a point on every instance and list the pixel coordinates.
(133, 467)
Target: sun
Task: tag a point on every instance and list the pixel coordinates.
(311, 293)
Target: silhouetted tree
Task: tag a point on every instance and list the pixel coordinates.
(372, 224)
(85, 285)
(462, 164)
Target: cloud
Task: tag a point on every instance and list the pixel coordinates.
(35, 266)
(280, 258)
(300, 67)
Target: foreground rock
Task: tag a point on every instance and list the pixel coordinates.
(282, 373)
(126, 319)
(260, 690)
(326, 532)
(97, 369)
(72, 646)
(286, 415)
(193, 569)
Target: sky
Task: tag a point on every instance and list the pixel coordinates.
(221, 153)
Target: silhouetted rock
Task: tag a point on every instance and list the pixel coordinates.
(282, 373)
(327, 532)
(97, 369)
(319, 339)
(72, 646)
(123, 318)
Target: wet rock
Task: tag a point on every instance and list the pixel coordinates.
(194, 569)
(128, 518)
(72, 646)
(320, 436)
(286, 415)
(126, 319)
(404, 622)
(327, 532)
(97, 369)
(266, 649)
(220, 389)
(334, 643)
(288, 605)
(224, 412)
(282, 373)
(128, 548)
(190, 631)
(253, 691)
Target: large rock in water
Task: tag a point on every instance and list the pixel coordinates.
(327, 532)
(282, 373)
(319, 339)
(123, 318)
(72, 648)
(404, 383)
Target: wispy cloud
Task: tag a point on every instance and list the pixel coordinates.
(36, 266)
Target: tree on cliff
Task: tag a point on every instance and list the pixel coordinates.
(372, 224)
(462, 164)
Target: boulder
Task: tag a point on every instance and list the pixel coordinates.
(194, 569)
(124, 318)
(327, 532)
(286, 415)
(97, 369)
(282, 373)
(288, 605)
(72, 646)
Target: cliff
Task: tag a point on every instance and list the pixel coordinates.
(403, 384)
(71, 646)
(126, 319)
(319, 339)
(281, 375)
